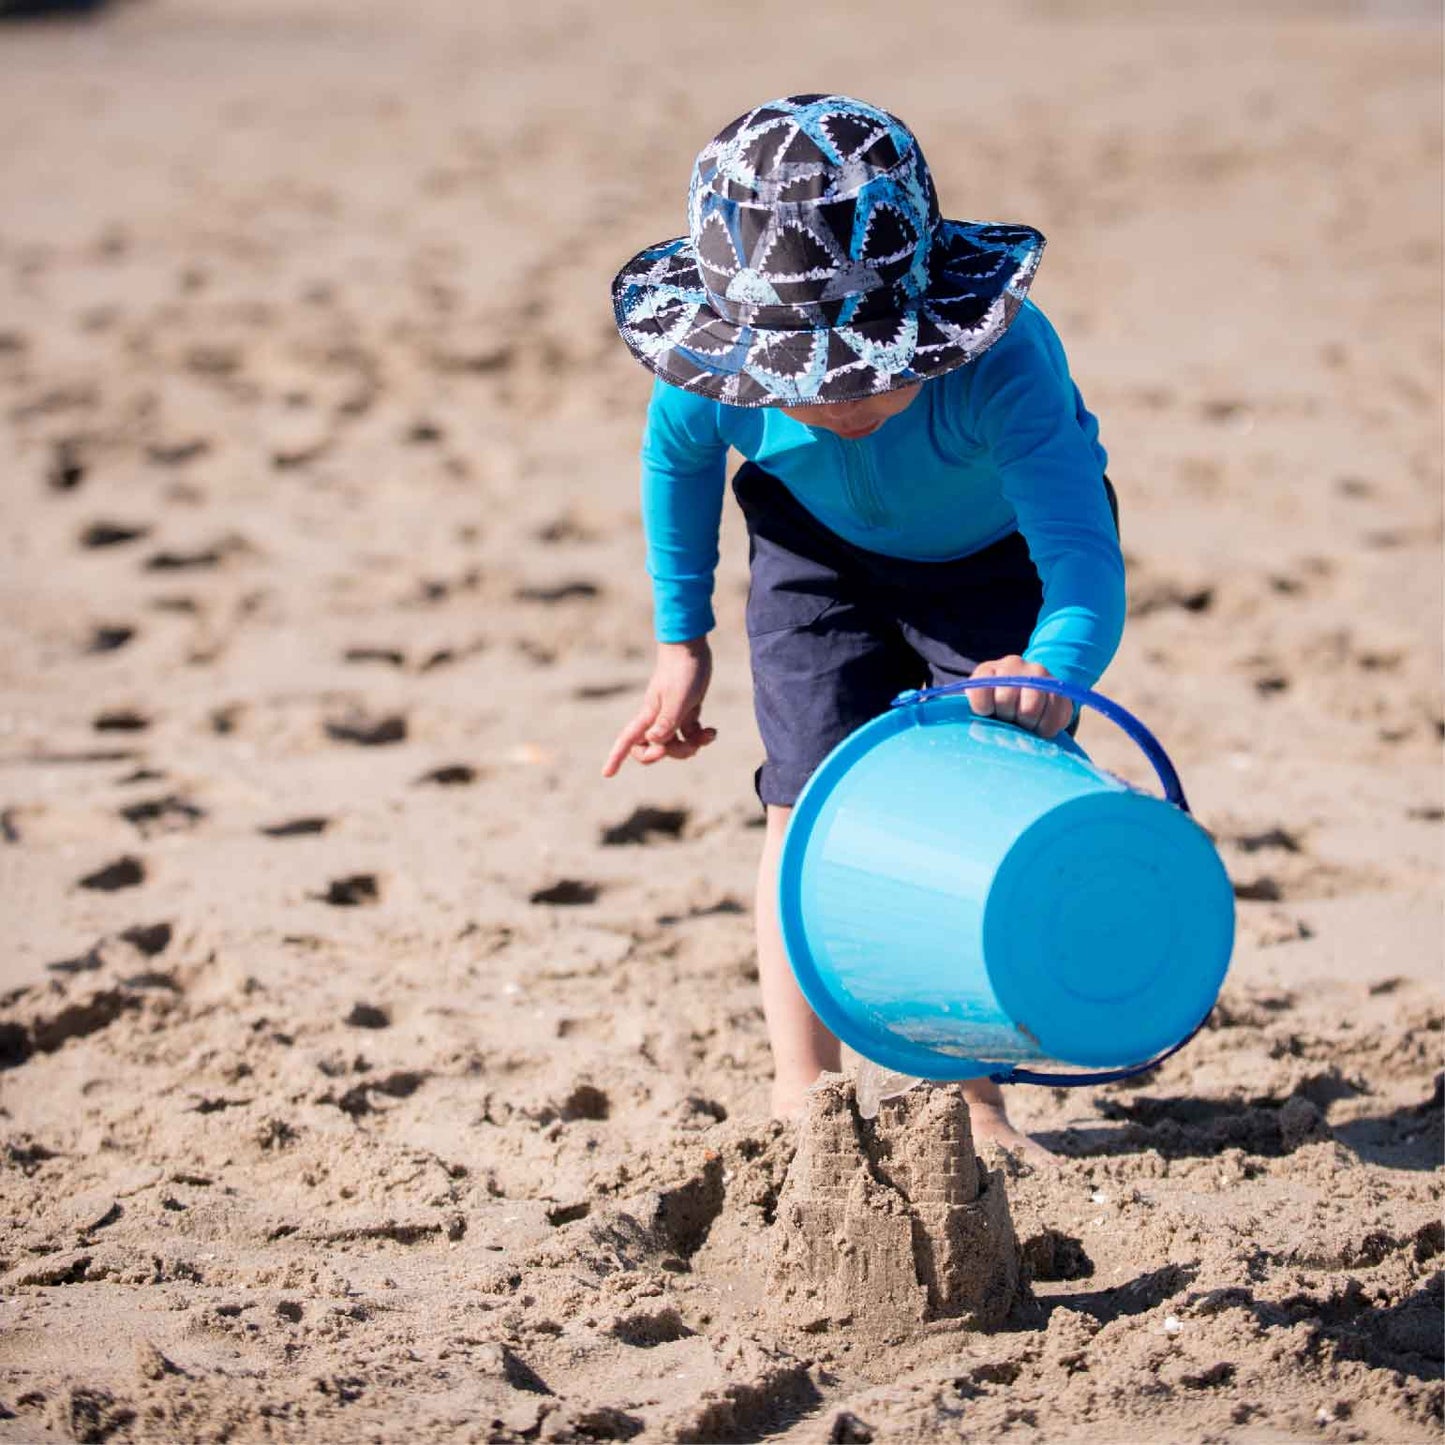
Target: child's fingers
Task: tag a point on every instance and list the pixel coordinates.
(691, 743)
(627, 740)
(1032, 709)
(692, 729)
(1056, 716)
(1005, 703)
(664, 726)
(684, 744)
(981, 699)
(1037, 711)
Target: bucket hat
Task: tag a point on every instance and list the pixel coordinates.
(816, 267)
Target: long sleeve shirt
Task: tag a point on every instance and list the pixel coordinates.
(1002, 444)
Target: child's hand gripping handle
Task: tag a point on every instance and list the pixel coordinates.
(1151, 747)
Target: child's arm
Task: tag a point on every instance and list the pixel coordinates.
(1023, 406)
(683, 476)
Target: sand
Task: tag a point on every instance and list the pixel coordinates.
(371, 1070)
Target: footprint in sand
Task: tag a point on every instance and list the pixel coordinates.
(367, 1016)
(599, 692)
(1180, 1127)
(567, 892)
(200, 560)
(354, 891)
(583, 1102)
(66, 470)
(141, 775)
(108, 639)
(560, 592)
(1052, 1256)
(177, 603)
(646, 1329)
(392, 656)
(560, 1214)
(1146, 597)
(725, 907)
(1280, 838)
(174, 454)
(427, 592)
(87, 962)
(296, 828)
(112, 534)
(644, 825)
(1272, 683)
(1227, 411)
(149, 938)
(120, 720)
(1259, 890)
(224, 720)
(170, 814)
(451, 775)
(367, 731)
(125, 872)
(566, 528)
(356, 1101)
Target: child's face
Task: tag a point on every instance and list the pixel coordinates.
(853, 419)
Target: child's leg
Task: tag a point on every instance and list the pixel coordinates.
(990, 1122)
(802, 1047)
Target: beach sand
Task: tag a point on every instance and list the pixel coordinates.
(369, 1068)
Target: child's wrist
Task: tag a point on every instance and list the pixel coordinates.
(693, 646)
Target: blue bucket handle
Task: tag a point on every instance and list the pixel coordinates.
(1152, 749)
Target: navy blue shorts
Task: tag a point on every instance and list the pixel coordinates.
(837, 632)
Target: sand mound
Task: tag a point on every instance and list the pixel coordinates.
(886, 1224)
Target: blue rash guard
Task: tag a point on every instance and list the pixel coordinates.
(1002, 444)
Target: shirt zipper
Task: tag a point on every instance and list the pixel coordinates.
(860, 483)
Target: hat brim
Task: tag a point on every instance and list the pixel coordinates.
(979, 274)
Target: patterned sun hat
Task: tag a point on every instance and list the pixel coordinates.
(817, 268)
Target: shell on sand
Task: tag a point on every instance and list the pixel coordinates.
(886, 1224)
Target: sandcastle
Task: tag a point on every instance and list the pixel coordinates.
(886, 1224)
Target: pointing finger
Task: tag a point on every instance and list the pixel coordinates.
(627, 739)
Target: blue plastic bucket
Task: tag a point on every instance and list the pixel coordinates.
(960, 897)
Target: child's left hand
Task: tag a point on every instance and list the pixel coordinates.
(1044, 713)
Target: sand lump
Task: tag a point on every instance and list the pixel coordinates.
(886, 1224)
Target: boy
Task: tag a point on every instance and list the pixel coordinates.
(924, 488)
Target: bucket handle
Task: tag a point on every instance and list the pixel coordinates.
(1151, 747)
